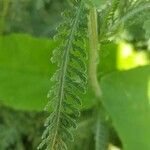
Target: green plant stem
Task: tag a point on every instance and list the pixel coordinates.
(93, 52)
(101, 136)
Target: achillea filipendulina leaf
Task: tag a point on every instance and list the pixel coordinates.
(70, 75)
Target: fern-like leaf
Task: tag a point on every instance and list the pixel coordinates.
(131, 12)
(118, 13)
(109, 17)
(68, 79)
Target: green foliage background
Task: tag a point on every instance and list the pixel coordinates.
(25, 71)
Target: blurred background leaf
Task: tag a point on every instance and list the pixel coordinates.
(36, 17)
(128, 103)
(146, 26)
(25, 71)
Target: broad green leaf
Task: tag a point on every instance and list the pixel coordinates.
(108, 58)
(120, 56)
(126, 96)
(25, 71)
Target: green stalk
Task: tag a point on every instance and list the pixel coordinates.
(93, 52)
(101, 135)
